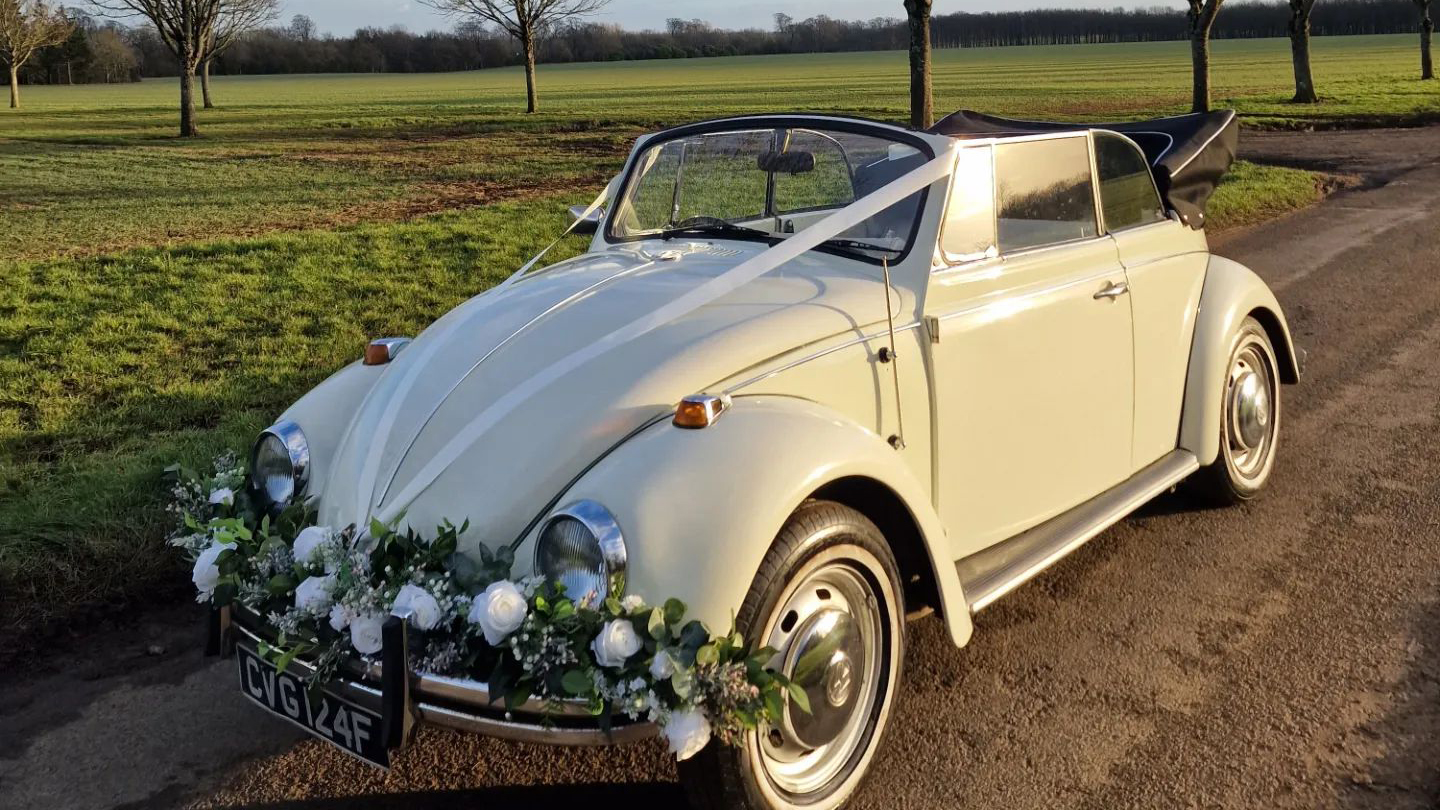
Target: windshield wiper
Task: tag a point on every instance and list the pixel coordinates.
(852, 245)
(716, 227)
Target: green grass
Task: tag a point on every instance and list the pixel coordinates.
(162, 300)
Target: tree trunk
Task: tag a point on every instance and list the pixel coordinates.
(532, 103)
(1200, 56)
(205, 84)
(1300, 55)
(14, 87)
(1427, 27)
(188, 129)
(922, 107)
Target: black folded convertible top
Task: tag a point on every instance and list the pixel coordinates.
(1187, 153)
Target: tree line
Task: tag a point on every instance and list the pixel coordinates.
(123, 40)
(102, 50)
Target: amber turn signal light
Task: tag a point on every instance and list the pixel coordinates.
(380, 351)
(700, 410)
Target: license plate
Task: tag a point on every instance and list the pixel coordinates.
(354, 730)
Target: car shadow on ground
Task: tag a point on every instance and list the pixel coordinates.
(520, 797)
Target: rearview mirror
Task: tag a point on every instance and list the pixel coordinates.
(583, 223)
(791, 162)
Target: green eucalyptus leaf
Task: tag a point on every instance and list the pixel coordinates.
(798, 695)
(674, 611)
(707, 654)
(576, 682)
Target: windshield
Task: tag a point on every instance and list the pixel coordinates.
(767, 184)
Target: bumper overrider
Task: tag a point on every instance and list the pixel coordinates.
(404, 699)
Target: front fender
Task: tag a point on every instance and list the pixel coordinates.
(325, 413)
(1231, 293)
(700, 508)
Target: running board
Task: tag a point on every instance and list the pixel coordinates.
(990, 574)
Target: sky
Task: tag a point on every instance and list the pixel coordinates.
(344, 16)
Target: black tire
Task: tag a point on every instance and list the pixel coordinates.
(1226, 481)
(731, 777)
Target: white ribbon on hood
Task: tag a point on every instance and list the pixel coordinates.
(723, 284)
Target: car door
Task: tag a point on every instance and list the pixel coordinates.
(1165, 262)
(1031, 342)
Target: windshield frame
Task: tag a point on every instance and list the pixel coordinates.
(818, 123)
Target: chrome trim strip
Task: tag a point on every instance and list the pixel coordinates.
(996, 571)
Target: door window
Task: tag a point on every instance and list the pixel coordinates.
(1127, 190)
(970, 217)
(1044, 192)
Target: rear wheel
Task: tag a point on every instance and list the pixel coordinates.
(1249, 421)
(827, 597)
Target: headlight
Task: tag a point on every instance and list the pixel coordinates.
(280, 464)
(581, 547)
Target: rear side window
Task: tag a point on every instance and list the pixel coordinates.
(1127, 191)
(1044, 192)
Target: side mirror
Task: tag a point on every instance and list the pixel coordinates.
(584, 224)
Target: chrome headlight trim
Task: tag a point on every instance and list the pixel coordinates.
(296, 447)
(606, 530)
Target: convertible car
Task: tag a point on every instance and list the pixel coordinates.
(821, 375)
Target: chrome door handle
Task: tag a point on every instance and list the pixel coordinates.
(1114, 289)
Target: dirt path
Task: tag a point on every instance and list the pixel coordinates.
(1281, 655)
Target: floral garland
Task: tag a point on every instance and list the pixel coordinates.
(327, 593)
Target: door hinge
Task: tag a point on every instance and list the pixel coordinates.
(932, 326)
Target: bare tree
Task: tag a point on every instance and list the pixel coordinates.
(1299, 27)
(922, 106)
(25, 27)
(236, 18)
(1427, 27)
(112, 58)
(185, 27)
(525, 20)
(302, 28)
(1199, 20)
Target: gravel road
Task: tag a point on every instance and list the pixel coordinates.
(1281, 655)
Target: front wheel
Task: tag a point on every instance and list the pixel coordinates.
(1249, 421)
(827, 597)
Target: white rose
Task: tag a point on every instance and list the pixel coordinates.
(663, 665)
(339, 617)
(314, 593)
(617, 641)
(632, 603)
(499, 610)
(365, 634)
(207, 574)
(424, 610)
(223, 495)
(687, 732)
(309, 541)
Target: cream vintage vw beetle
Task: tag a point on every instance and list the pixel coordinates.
(819, 374)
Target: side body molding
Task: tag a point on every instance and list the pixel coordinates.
(1231, 293)
(699, 508)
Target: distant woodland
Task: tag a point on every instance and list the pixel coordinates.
(103, 50)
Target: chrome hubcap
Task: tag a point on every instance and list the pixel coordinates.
(829, 632)
(1250, 411)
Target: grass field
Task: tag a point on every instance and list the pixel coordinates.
(163, 299)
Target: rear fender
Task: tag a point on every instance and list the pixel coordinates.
(1232, 292)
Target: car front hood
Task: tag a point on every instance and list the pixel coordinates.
(494, 343)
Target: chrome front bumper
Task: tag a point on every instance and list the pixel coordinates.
(408, 699)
